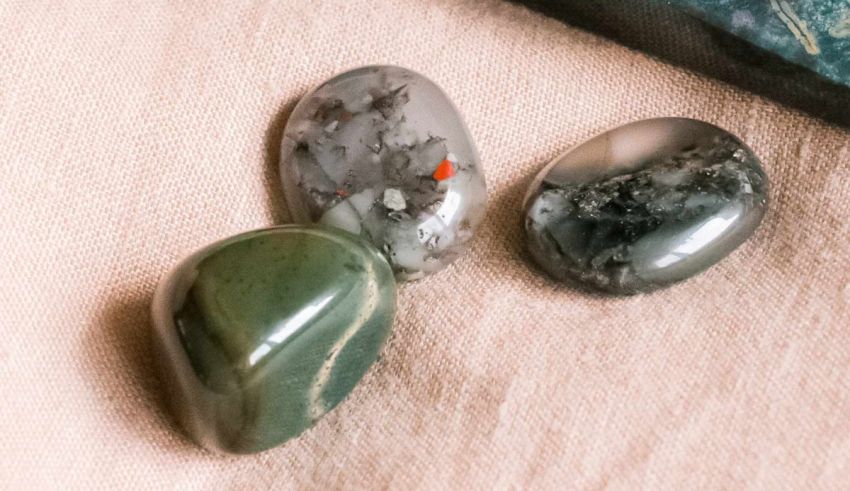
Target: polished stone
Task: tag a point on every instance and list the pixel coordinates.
(259, 335)
(382, 152)
(644, 205)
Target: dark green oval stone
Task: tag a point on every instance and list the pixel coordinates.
(644, 205)
(261, 334)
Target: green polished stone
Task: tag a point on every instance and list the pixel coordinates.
(644, 205)
(261, 334)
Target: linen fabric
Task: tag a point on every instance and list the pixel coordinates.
(133, 133)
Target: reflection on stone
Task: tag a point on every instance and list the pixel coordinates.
(644, 205)
(382, 152)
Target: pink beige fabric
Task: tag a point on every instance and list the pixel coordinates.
(132, 133)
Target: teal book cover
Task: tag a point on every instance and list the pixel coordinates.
(796, 52)
(811, 33)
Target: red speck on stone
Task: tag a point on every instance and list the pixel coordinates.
(444, 171)
(342, 193)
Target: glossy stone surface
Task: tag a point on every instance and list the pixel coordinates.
(381, 152)
(644, 205)
(259, 335)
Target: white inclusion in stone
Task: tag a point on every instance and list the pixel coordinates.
(669, 178)
(349, 213)
(408, 246)
(359, 105)
(451, 158)
(362, 201)
(429, 228)
(343, 216)
(400, 136)
(331, 127)
(394, 200)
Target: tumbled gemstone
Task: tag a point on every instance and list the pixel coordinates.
(644, 205)
(259, 335)
(381, 152)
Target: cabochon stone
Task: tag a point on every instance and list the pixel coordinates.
(644, 205)
(382, 152)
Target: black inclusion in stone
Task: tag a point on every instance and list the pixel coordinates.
(644, 205)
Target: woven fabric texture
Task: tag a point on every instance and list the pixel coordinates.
(133, 133)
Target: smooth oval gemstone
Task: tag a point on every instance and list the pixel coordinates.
(382, 152)
(259, 335)
(644, 205)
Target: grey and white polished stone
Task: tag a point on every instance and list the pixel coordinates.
(644, 205)
(382, 152)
